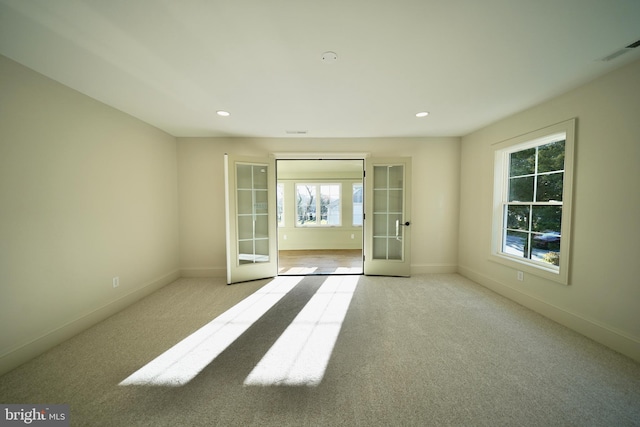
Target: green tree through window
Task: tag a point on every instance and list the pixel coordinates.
(318, 204)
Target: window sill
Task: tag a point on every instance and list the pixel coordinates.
(550, 273)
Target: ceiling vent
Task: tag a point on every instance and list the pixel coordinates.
(296, 132)
(329, 57)
(622, 51)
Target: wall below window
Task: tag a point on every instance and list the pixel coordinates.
(603, 296)
(319, 238)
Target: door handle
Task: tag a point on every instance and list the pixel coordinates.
(398, 225)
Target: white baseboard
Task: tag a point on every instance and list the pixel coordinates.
(18, 355)
(604, 334)
(415, 269)
(433, 268)
(204, 272)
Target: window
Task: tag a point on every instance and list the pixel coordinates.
(318, 205)
(357, 204)
(280, 203)
(532, 201)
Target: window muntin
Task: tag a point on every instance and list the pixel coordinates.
(318, 205)
(532, 201)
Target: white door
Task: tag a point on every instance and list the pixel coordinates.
(387, 221)
(250, 199)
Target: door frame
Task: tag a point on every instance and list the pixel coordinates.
(367, 162)
(324, 156)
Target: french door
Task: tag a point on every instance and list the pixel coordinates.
(250, 197)
(251, 223)
(387, 232)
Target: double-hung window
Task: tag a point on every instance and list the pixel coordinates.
(318, 205)
(532, 201)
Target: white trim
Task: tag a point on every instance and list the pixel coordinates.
(604, 334)
(227, 218)
(510, 145)
(433, 269)
(204, 272)
(320, 156)
(23, 352)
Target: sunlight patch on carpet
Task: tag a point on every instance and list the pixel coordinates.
(182, 362)
(301, 354)
(299, 270)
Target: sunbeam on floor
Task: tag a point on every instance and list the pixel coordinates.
(182, 362)
(301, 354)
(299, 357)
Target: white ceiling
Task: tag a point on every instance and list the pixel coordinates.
(174, 63)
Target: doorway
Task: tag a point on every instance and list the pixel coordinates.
(251, 217)
(320, 216)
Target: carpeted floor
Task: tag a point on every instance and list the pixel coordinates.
(430, 350)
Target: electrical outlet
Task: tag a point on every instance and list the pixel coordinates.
(520, 276)
(116, 282)
(353, 236)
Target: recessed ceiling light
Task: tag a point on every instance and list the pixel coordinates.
(422, 114)
(222, 113)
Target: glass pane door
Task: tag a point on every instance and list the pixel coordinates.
(388, 185)
(251, 220)
(386, 217)
(252, 213)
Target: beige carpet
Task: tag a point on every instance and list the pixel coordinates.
(430, 350)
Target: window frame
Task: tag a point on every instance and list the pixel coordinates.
(502, 150)
(318, 185)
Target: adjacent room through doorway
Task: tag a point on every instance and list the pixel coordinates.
(320, 216)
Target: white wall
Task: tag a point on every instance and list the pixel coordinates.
(86, 193)
(603, 298)
(435, 197)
